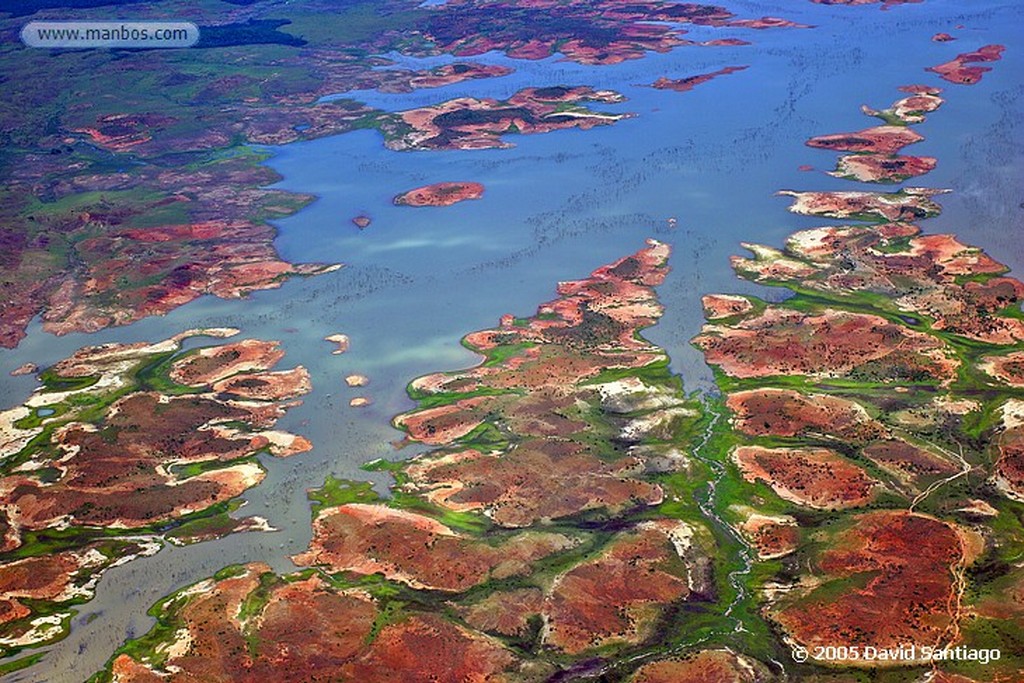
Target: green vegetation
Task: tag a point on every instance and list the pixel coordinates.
(11, 666)
(337, 492)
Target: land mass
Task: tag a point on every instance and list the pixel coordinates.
(547, 527)
(123, 447)
(689, 83)
(962, 70)
(875, 430)
(440, 194)
(145, 193)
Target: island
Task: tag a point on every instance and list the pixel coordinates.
(440, 194)
(962, 70)
(876, 158)
(471, 123)
(690, 82)
(125, 447)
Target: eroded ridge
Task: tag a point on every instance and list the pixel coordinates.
(123, 447)
(546, 528)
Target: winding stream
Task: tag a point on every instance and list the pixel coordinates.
(706, 501)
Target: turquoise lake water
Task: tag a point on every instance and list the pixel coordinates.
(557, 206)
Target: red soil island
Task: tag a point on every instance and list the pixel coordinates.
(888, 580)
(417, 550)
(295, 631)
(448, 74)
(960, 287)
(116, 455)
(689, 83)
(942, 38)
(876, 159)
(362, 221)
(725, 305)
(959, 69)
(440, 194)
(818, 478)
(871, 168)
(832, 343)
(879, 140)
(470, 123)
(924, 99)
(786, 413)
(908, 204)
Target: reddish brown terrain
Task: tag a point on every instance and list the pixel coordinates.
(832, 343)
(124, 269)
(470, 123)
(604, 601)
(548, 472)
(908, 204)
(817, 478)
(877, 140)
(771, 537)
(569, 426)
(534, 481)
(1009, 468)
(919, 421)
(132, 458)
(725, 306)
(898, 578)
(507, 613)
(909, 462)
(923, 99)
(1007, 368)
(418, 550)
(145, 193)
(255, 626)
(784, 412)
(876, 158)
(959, 287)
(896, 575)
(870, 168)
(689, 83)
(440, 194)
(603, 32)
(962, 70)
(448, 74)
